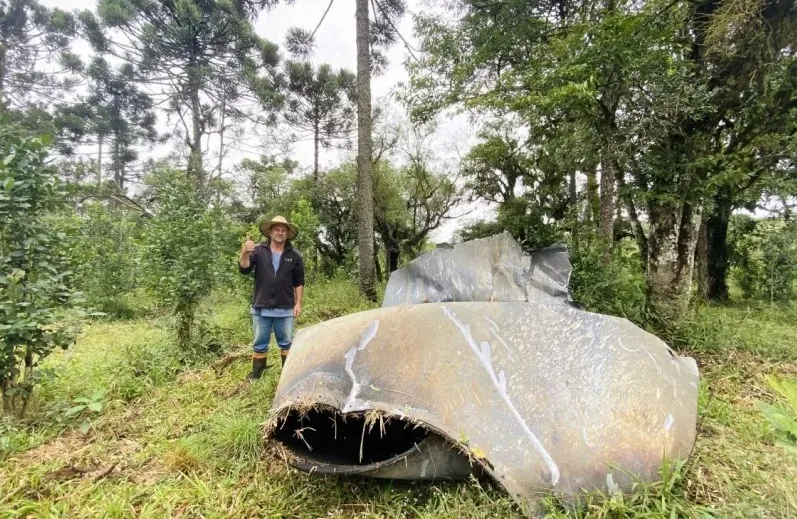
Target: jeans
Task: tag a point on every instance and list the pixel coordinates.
(283, 331)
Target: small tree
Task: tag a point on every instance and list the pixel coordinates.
(306, 219)
(34, 293)
(321, 104)
(180, 250)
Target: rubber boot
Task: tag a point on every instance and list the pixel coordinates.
(258, 366)
(283, 360)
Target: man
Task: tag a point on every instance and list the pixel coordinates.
(278, 290)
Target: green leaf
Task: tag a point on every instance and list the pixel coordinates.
(95, 406)
(84, 427)
(72, 411)
(8, 159)
(8, 184)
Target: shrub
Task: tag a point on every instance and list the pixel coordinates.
(102, 250)
(764, 257)
(306, 219)
(182, 251)
(34, 289)
(617, 288)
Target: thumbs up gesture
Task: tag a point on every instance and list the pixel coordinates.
(249, 245)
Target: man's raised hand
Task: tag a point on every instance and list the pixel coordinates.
(249, 245)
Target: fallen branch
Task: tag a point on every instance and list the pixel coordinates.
(220, 365)
(106, 472)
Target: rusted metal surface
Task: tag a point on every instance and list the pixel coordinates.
(541, 395)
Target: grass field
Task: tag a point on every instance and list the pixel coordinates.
(156, 439)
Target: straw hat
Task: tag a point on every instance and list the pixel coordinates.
(265, 226)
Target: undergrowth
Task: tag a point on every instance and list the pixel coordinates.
(176, 439)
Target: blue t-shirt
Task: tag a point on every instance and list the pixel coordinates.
(274, 312)
(275, 260)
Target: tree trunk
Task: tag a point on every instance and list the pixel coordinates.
(593, 201)
(393, 255)
(671, 255)
(99, 160)
(718, 259)
(636, 226)
(195, 146)
(118, 174)
(185, 320)
(3, 52)
(316, 134)
(379, 276)
(607, 206)
(701, 263)
(573, 192)
(27, 383)
(365, 197)
(221, 137)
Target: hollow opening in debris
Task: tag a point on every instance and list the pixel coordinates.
(326, 436)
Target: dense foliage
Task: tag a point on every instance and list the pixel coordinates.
(182, 247)
(34, 285)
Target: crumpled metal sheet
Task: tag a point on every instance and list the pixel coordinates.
(489, 269)
(540, 395)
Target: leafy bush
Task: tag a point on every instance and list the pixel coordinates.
(764, 257)
(84, 405)
(782, 417)
(33, 282)
(306, 219)
(617, 288)
(102, 249)
(183, 248)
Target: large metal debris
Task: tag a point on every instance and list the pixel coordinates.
(537, 394)
(491, 269)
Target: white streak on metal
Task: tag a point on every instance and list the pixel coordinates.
(585, 438)
(668, 421)
(424, 465)
(494, 331)
(620, 342)
(483, 354)
(502, 381)
(611, 486)
(492, 323)
(366, 337)
(504, 344)
(654, 361)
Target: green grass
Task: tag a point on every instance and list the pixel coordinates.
(172, 441)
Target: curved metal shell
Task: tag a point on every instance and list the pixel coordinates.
(544, 396)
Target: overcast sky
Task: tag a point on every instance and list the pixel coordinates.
(335, 45)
